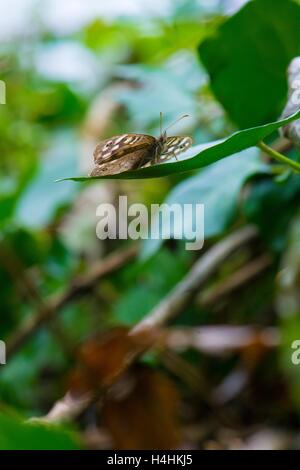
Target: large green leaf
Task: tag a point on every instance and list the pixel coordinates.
(200, 156)
(248, 56)
(16, 435)
(217, 187)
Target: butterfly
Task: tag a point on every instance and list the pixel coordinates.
(132, 151)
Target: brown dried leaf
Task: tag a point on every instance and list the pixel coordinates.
(102, 360)
(144, 415)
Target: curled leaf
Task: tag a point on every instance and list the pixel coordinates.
(292, 130)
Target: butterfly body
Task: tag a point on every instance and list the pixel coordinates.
(132, 151)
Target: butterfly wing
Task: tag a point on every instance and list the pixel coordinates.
(120, 145)
(131, 161)
(175, 145)
(123, 153)
(131, 151)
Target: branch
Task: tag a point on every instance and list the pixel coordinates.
(67, 407)
(79, 286)
(175, 302)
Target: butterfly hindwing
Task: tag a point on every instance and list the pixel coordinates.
(175, 145)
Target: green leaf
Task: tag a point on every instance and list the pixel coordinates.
(217, 187)
(200, 156)
(17, 435)
(247, 59)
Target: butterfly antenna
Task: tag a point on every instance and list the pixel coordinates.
(177, 120)
(160, 120)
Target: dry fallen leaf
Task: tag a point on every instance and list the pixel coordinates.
(103, 359)
(145, 414)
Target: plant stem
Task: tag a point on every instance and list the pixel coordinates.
(278, 156)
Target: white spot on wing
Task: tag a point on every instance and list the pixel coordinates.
(186, 141)
(106, 155)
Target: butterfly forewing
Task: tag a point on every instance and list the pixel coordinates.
(131, 161)
(120, 145)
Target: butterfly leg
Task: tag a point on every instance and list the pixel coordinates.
(142, 163)
(166, 157)
(171, 155)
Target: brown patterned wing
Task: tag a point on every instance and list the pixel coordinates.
(131, 161)
(120, 145)
(174, 146)
(129, 155)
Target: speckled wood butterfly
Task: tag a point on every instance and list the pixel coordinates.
(131, 151)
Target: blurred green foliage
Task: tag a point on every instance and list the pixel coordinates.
(16, 435)
(246, 62)
(126, 71)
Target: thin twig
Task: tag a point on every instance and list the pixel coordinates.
(278, 156)
(28, 290)
(248, 272)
